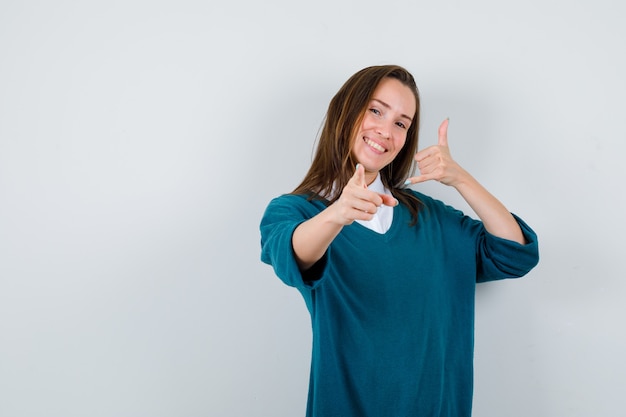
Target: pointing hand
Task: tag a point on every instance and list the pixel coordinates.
(357, 202)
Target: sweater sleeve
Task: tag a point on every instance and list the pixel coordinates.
(501, 258)
(280, 220)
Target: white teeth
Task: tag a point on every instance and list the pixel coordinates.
(375, 145)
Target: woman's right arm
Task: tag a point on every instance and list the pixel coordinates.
(311, 238)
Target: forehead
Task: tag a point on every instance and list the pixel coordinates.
(396, 95)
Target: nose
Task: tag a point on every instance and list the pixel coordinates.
(383, 129)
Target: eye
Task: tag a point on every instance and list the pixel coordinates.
(401, 125)
(375, 111)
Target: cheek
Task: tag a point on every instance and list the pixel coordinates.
(365, 125)
(368, 121)
(356, 145)
(400, 142)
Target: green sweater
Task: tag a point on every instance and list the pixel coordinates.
(393, 314)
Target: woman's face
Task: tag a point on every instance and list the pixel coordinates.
(386, 122)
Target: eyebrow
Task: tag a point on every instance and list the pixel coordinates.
(389, 107)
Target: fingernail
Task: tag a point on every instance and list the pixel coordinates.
(357, 166)
(407, 182)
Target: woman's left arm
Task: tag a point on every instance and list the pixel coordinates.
(436, 163)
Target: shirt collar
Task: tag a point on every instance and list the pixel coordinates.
(378, 186)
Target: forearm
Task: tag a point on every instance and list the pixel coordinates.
(312, 238)
(495, 216)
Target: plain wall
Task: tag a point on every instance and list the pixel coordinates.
(140, 142)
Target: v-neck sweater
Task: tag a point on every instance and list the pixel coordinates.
(392, 314)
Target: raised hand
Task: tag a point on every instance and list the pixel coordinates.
(436, 163)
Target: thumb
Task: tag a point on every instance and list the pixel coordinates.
(443, 133)
(359, 176)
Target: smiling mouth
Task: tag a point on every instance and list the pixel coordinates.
(375, 145)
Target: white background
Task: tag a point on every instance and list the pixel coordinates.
(140, 142)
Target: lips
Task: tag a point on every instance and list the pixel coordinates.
(374, 145)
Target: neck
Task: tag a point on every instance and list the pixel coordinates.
(370, 177)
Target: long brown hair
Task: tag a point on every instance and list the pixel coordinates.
(333, 164)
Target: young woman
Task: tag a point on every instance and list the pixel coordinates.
(388, 274)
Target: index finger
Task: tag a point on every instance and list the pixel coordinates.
(359, 176)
